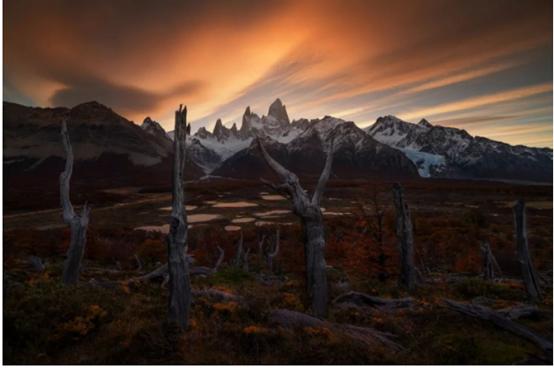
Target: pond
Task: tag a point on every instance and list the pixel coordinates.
(235, 204)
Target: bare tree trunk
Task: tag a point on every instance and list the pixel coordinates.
(309, 212)
(273, 254)
(528, 272)
(405, 238)
(489, 262)
(78, 224)
(178, 267)
(239, 256)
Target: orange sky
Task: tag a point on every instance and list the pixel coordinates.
(485, 66)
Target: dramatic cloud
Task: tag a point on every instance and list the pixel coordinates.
(449, 61)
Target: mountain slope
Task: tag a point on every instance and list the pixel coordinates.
(357, 155)
(441, 151)
(109, 150)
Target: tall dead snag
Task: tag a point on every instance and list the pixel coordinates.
(309, 212)
(405, 238)
(178, 267)
(528, 272)
(489, 262)
(77, 223)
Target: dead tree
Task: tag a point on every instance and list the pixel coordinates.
(78, 224)
(528, 272)
(309, 212)
(405, 238)
(245, 266)
(239, 256)
(489, 262)
(261, 241)
(273, 254)
(178, 267)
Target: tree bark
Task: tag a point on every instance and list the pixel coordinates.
(178, 267)
(78, 224)
(528, 272)
(405, 237)
(309, 212)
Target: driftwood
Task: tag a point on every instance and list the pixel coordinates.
(365, 300)
(273, 254)
(78, 224)
(405, 239)
(528, 272)
(501, 320)
(489, 262)
(178, 265)
(368, 336)
(309, 212)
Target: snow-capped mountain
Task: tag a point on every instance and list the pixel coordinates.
(439, 151)
(154, 128)
(357, 155)
(224, 142)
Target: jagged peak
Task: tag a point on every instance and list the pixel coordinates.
(218, 125)
(278, 111)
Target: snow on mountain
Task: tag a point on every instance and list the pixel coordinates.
(441, 151)
(356, 154)
(225, 142)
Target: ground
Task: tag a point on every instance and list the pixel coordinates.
(109, 320)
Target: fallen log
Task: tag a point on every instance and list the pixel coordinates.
(521, 311)
(365, 300)
(217, 295)
(160, 272)
(500, 320)
(366, 335)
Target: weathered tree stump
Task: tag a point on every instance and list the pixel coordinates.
(178, 266)
(78, 224)
(528, 272)
(405, 237)
(309, 212)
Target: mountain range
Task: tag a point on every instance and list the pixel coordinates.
(111, 150)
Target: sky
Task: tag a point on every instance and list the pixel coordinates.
(484, 66)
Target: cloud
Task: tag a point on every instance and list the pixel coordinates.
(357, 58)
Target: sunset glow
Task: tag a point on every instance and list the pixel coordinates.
(481, 66)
